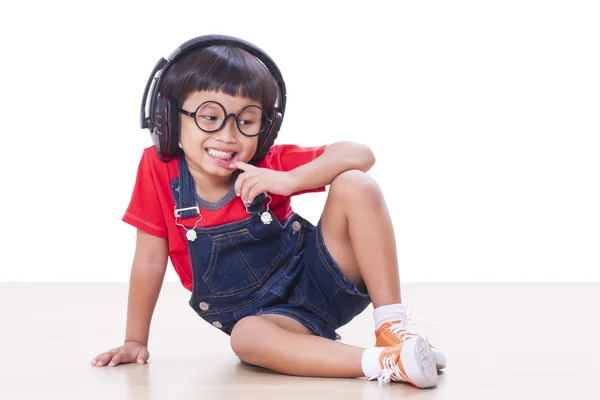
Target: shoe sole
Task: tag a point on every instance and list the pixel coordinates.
(419, 363)
(440, 359)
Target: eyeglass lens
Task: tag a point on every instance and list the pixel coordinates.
(210, 117)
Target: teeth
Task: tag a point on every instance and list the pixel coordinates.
(219, 154)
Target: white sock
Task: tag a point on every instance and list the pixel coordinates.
(370, 362)
(388, 313)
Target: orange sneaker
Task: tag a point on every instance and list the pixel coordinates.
(410, 361)
(392, 333)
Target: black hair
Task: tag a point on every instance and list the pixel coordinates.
(221, 68)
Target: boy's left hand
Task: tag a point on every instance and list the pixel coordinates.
(254, 181)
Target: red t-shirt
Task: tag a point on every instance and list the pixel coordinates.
(152, 204)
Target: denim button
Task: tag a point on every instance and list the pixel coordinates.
(217, 324)
(296, 226)
(204, 306)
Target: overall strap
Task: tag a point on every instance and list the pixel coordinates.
(188, 206)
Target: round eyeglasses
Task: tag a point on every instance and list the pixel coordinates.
(211, 117)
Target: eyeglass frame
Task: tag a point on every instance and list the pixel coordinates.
(194, 115)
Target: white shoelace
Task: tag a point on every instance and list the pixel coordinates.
(402, 331)
(404, 327)
(390, 371)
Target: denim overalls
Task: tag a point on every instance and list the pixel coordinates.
(260, 265)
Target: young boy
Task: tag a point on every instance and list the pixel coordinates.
(213, 194)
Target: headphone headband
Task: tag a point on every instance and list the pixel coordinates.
(162, 66)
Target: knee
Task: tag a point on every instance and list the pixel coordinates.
(245, 337)
(353, 185)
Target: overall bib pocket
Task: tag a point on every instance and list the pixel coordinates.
(238, 263)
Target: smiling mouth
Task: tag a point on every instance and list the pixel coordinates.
(223, 155)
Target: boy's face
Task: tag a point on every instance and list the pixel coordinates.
(211, 153)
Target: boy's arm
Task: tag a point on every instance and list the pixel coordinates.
(147, 274)
(337, 158)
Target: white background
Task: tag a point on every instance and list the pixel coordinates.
(484, 117)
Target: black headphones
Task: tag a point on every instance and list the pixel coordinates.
(163, 121)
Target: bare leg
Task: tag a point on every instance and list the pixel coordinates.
(358, 233)
(284, 345)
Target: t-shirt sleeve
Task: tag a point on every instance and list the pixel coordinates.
(286, 157)
(144, 210)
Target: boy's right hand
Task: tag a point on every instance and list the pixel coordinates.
(130, 352)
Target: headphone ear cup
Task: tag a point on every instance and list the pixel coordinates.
(173, 129)
(275, 128)
(158, 125)
(265, 142)
(165, 129)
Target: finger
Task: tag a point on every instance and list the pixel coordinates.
(116, 360)
(239, 182)
(95, 359)
(243, 166)
(105, 358)
(143, 356)
(248, 185)
(243, 184)
(255, 191)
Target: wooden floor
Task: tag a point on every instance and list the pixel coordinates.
(502, 341)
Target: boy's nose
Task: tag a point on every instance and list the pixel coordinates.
(229, 130)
